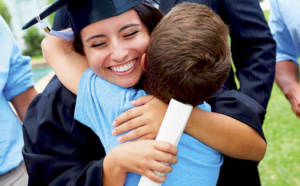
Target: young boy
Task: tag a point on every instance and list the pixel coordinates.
(188, 59)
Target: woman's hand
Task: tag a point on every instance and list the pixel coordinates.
(141, 157)
(144, 120)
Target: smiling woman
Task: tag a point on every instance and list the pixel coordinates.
(112, 48)
(53, 111)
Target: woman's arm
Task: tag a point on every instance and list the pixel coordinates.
(232, 137)
(227, 135)
(66, 63)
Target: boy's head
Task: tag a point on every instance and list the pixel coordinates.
(188, 58)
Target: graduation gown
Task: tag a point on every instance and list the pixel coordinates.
(61, 151)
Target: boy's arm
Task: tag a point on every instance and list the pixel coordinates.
(66, 63)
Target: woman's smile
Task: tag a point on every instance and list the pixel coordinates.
(125, 68)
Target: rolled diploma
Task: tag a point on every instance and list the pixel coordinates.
(171, 130)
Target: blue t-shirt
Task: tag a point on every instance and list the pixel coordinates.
(284, 23)
(99, 102)
(15, 78)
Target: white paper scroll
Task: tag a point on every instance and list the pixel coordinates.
(171, 129)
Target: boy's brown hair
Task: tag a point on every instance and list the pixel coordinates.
(188, 57)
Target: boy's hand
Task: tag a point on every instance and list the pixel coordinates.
(143, 157)
(144, 120)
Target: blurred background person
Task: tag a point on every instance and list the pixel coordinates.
(285, 27)
(16, 86)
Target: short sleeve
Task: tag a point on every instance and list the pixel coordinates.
(285, 47)
(205, 106)
(19, 72)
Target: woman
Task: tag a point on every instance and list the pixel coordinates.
(215, 135)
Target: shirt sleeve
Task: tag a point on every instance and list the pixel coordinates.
(19, 74)
(285, 47)
(58, 150)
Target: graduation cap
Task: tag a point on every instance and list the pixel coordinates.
(85, 12)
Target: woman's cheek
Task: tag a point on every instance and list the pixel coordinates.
(143, 43)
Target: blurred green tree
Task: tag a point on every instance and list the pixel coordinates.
(33, 41)
(51, 17)
(4, 12)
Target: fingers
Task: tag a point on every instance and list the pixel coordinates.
(128, 115)
(161, 168)
(166, 147)
(149, 136)
(138, 132)
(166, 158)
(142, 100)
(154, 177)
(128, 125)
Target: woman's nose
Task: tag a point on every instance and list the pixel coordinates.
(119, 53)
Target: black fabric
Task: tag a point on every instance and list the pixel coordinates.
(227, 102)
(62, 20)
(59, 150)
(253, 54)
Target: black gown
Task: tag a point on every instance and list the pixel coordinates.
(61, 151)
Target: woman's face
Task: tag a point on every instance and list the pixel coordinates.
(114, 48)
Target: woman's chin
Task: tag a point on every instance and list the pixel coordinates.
(127, 84)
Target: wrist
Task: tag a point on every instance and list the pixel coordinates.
(294, 89)
(112, 169)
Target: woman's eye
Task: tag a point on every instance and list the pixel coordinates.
(98, 45)
(131, 34)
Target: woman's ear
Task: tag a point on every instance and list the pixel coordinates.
(143, 61)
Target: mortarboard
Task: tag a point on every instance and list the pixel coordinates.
(85, 12)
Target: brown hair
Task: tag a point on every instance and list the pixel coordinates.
(188, 57)
(149, 15)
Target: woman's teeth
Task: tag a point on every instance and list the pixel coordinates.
(124, 68)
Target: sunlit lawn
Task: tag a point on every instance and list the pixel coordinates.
(281, 165)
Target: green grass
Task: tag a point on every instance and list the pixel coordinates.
(281, 165)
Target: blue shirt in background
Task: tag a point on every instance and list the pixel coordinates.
(284, 23)
(15, 78)
(99, 102)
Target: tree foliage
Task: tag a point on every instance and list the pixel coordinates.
(4, 12)
(33, 41)
(51, 17)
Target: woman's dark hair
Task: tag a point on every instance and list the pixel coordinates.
(149, 15)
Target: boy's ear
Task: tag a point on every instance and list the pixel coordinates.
(143, 61)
